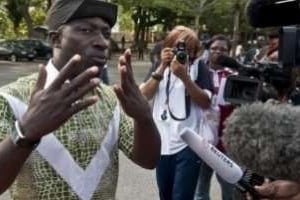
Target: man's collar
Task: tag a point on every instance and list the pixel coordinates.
(221, 70)
(216, 70)
(52, 73)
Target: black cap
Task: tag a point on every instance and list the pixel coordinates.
(64, 11)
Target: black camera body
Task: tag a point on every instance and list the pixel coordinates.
(181, 52)
(266, 80)
(259, 82)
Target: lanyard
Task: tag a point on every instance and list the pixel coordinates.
(187, 103)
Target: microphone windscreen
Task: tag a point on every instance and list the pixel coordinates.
(266, 13)
(266, 139)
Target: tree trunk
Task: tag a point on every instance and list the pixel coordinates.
(135, 34)
(49, 3)
(137, 28)
(16, 30)
(29, 23)
(197, 25)
(143, 34)
(143, 19)
(236, 30)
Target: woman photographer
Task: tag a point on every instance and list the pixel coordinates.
(179, 93)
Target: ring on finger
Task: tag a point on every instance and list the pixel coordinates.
(66, 86)
(76, 103)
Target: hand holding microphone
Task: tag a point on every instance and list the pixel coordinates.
(280, 190)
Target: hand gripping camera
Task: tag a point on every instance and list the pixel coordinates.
(181, 52)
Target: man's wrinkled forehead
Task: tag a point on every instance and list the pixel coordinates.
(95, 22)
(65, 11)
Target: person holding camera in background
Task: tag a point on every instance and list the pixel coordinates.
(181, 88)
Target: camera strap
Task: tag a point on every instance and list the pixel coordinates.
(187, 102)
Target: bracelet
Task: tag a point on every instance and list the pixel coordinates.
(156, 76)
(20, 140)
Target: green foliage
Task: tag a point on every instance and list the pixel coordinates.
(211, 12)
(38, 15)
(219, 19)
(12, 16)
(125, 21)
(14, 12)
(136, 15)
(6, 27)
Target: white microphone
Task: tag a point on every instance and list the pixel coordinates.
(221, 164)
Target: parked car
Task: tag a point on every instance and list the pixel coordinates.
(42, 49)
(18, 50)
(5, 53)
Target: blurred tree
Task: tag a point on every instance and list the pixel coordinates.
(49, 3)
(227, 17)
(140, 16)
(14, 13)
(238, 6)
(6, 28)
(30, 12)
(145, 14)
(196, 9)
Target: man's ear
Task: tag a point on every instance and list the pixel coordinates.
(55, 39)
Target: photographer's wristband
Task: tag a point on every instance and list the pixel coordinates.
(156, 76)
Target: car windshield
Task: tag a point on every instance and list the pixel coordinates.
(5, 45)
(2, 48)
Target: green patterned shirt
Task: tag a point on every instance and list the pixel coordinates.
(81, 135)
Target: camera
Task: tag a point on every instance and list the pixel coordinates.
(181, 52)
(265, 80)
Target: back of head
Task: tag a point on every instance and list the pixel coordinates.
(272, 32)
(64, 11)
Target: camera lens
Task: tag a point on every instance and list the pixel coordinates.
(181, 57)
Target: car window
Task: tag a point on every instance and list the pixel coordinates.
(2, 44)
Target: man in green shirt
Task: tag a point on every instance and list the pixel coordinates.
(61, 129)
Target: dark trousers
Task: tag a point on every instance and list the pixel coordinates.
(177, 175)
(203, 187)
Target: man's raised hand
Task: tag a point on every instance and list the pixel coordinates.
(133, 102)
(50, 107)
